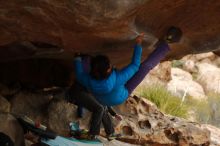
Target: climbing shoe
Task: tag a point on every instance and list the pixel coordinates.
(173, 34)
(113, 136)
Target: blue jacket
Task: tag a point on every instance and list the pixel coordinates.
(110, 91)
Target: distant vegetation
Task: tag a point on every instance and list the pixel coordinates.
(177, 63)
(204, 111)
(165, 101)
(207, 111)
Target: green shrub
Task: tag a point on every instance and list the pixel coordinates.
(195, 76)
(177, 63)
(200, 109)
(164, 100)
(214, 104)
(207, 111)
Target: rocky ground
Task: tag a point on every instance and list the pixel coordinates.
(142, 122)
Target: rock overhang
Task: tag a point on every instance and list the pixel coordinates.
(55, 30)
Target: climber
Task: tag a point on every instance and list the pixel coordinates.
(112, 87)
(79, 95)
(71, 93)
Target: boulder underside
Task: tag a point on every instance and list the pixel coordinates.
(35, 31)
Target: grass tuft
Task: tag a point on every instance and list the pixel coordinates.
(177, 63)
(203, 111)
(206, 111)
(165, 101)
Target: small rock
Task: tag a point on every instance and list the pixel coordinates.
(182, 84)
(10, 126)
(60, 114)
(4, 105)
(209, 77)
(32, 105)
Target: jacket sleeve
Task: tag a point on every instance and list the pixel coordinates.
(127, 72)
(81, 76)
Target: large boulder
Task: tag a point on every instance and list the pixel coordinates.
(10, 126)
(144, 124)
(209, 77)
(182, 84)
(4, 105)
(190, 61)
(57, 29)
(60, 114)
(33, 105)
(142, 121)
(46, 26)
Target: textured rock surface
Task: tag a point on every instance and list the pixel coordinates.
(215, 134)
(190, 61)
(182, 83)
(4, 105)
(46, 26)
(209, 77)
(33, 105)
(10, 126)
(144, 123)
(58, 29)
(60, 114)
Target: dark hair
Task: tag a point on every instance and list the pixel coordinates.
(99, 67)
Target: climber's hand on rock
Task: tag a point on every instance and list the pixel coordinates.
(139, 38)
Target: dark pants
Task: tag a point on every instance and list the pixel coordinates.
(78, 95)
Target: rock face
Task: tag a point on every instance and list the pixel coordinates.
(10, 126)
(46, 26)
(215, 134)
(182, 83)
(144, 123)
(60, 114)
(5, 105)
(58, 29)
(30, 104)
(209, 77)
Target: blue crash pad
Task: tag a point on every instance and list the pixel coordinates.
(63, 141)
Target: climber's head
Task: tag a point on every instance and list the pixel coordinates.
(100, 67)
